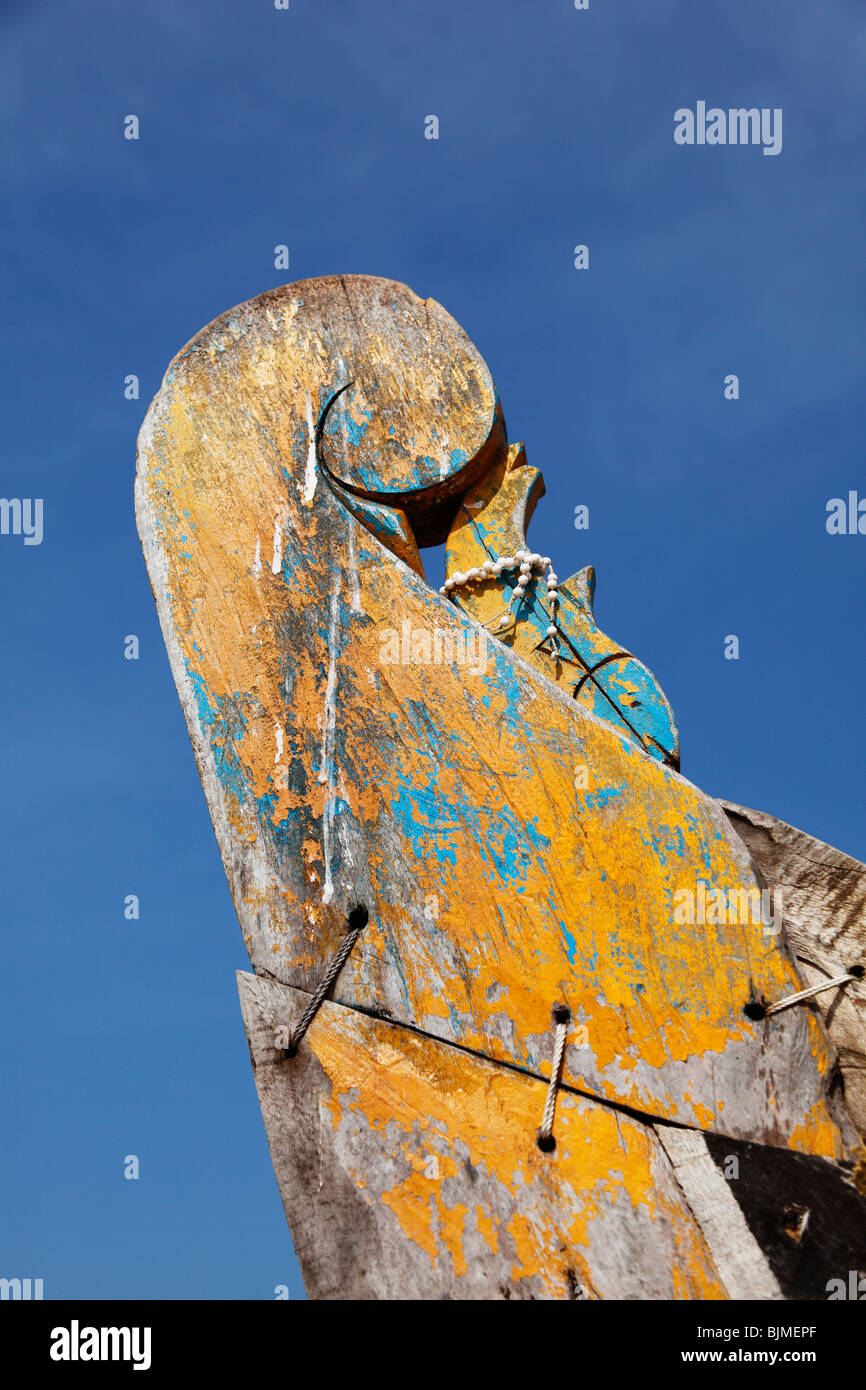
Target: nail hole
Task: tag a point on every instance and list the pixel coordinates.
(358, 918)
(561, 1013)
(754, 1010)
(546, 1143)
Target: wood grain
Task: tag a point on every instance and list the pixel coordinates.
(438, 791)
(409, 1169)
(738, 1256)
(822, 894)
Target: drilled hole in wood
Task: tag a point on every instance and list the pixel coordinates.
(754, 1010)
(546, 1143)
(857, 971)
(358, 918)
(561, 1013)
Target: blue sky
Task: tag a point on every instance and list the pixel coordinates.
(707, 517)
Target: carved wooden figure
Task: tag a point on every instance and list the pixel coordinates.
(366, 742)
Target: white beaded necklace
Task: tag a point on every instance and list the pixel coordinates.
(527, 562)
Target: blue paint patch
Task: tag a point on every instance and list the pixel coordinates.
(283, 831)
(599, 799)
(223, 721)
(504, 842)
(418, 812)
(338, 422)
(293, 563)
(570, 943)
(510, 844)
(668, 840)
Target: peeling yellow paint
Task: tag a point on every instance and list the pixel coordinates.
(582, 912)
(432, 1100)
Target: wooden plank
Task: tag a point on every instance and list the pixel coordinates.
(822, 896)
(410, 1169)
(739, 1258)
(442, 794)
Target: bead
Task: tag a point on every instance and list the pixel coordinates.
(552, 630)
(526, 562)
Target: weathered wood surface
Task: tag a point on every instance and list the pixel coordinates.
(444, 799)
(362, 740)
(409, 1169)
(822, 894)
(739, 1258)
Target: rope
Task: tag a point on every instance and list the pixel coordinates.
(808, 993)
(561, 1016)
(330, 975)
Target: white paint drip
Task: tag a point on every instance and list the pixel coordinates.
(444, 457)
(277, 561)
(354, 587)
(278, 732)
(329, 720)
(310, 475)
(327, 818)
(257, 562)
